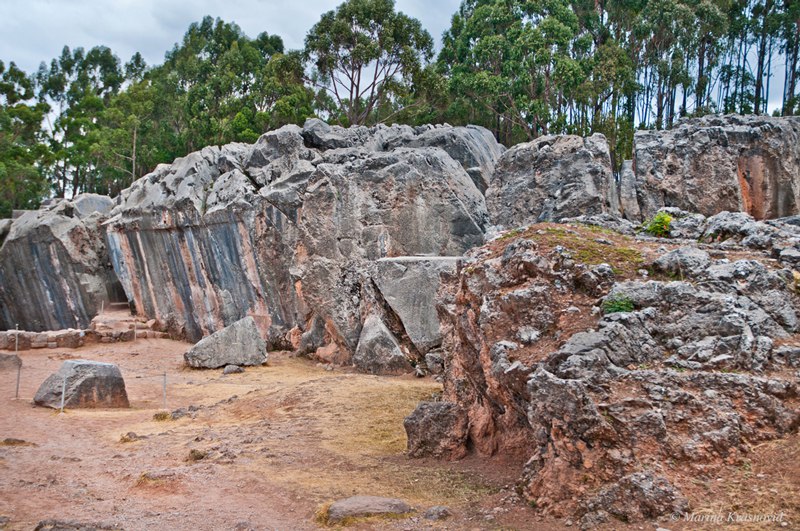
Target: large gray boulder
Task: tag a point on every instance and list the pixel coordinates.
(287, 230)
(475, 148)
(54, 267)
(551, 178)
(237, 344)
(716, 163)
(89, 204)
(89, 384)
(378, 351)
(437, 429)
(409, 285)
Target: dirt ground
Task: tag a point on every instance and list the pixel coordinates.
(258, 450)
(265, 449)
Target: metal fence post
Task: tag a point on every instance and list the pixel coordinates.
(63, 392)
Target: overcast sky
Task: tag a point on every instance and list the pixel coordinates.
(32, 31)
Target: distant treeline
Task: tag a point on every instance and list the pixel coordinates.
(87, 122)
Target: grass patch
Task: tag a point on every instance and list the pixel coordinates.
(625, 261)
(196, 455)
(130, 437)
(153, 479)
(321, 514)
(617, 304)
(513, 233)
(375, 425)
(10, 441)
(162, 416)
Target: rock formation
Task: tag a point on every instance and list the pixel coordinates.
(236, 344)
(54, 269)
(702, 165)
(609, 362)
(711, 164)
(89, 384)
(288, 230)
(551, 178)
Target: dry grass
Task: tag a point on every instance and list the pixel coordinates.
(10, 441)
(587, 244)
(765, 484)
(372, 422)
(162, 416)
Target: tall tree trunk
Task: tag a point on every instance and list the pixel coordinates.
(701, 81)
(761, 55)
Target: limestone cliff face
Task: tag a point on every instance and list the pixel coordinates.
(288, 230)
(54, 268)
(707, 165)
(553, 177)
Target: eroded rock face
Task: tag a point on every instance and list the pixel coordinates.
(54, 267)
(711, 164)
(89, 384)
(551, 178)
(688, 367)
(409, 285)
(288, 230)
(236, 344)
(437, 429)
(704, 166)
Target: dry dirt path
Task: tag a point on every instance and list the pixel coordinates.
(258, 450)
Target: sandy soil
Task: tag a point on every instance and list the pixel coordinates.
(265, 449)
(260, 450)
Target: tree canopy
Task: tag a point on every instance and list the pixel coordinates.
(363, 53)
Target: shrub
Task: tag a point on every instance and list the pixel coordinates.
(617, 303)
(660, 225)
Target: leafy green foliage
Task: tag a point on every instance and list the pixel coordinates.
(617, 303)
(366, 56)
(660, 225)
(22, 185)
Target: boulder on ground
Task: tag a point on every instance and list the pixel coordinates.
(360, 506)
(89, 384)
(237, 344)
(378, 351)
(437, 429)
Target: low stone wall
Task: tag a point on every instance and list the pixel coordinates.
(71, 338)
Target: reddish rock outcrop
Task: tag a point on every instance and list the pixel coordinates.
(618, 370)
(716, 163)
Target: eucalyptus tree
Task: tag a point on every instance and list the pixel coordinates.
(364, 53)
(22, 152)
(78, 84)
